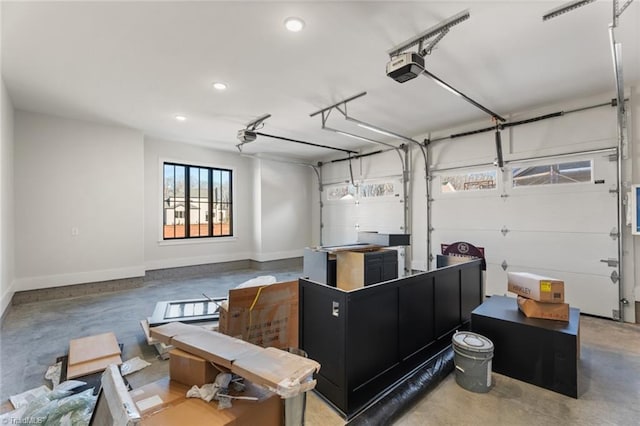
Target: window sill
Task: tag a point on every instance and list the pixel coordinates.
(189, 241)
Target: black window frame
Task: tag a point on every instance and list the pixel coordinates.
(187, 202)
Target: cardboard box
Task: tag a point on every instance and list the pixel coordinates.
(190, 369)
(266, 316)
(223, 319)
(535, 309)
(286, 373)
(536, 287)
(164, 403)
(156, 396)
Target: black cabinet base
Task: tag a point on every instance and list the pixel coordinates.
(537, 351)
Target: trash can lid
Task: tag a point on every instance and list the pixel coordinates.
(472, 341)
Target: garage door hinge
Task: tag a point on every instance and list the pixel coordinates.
(612, 263)
(504, 231)
(615, 277)
(504, 265)
(504, 196)
(321, 204)
(613, 157)
(613, 190)
(614, 234)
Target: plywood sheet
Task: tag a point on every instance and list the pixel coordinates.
(93, 366)
(214, 347)
(93, 347)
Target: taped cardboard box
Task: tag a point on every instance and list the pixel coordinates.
(189, 369)
(164, 403)
(266, 316)
(158, 395)
(536, 287)
(534, 309)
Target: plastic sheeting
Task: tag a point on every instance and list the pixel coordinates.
(397, 402)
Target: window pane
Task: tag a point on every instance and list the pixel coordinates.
(198, 196)
(468, 181)
(550, 174)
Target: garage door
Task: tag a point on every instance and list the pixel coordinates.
(553, 216)
(370, 205)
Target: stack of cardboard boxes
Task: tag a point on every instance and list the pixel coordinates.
(199, 355)
(539, 296)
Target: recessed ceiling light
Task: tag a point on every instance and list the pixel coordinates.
(219, 86)
(294, 24)
(180, 117)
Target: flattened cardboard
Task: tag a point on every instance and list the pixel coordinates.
(276, 369)
(93, 347)
(190, 370)
(212, 346)
(90, 367)
(536, 287)
(266, 316)
(534, 309)
(165, 332)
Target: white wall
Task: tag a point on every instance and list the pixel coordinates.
(76, 176)
(7, 273)
(285, 214)
(167, 254)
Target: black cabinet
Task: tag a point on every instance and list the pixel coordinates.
(369, 338)
(537, 351)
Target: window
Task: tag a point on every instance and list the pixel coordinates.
(471, 181)
(193, 195)
(549, 174)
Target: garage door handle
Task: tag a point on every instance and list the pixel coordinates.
(610, 262)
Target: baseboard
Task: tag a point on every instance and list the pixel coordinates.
(181, 262)
(637, 312)
(76, 290)
(195, 271)
(294, 262)
(48, 281)
(5, 302)
(276, 255)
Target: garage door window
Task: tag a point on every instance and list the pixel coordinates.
(471, 181)
(551, 174)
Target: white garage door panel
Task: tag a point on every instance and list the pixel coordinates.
(585, 212)
(337, 235)
(344, 213)
(478, 213)
(561, 251)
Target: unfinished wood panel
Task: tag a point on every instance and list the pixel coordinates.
(93, 347)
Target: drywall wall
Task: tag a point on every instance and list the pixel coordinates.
(285, 210)
(78, 200)
(167, 254)
(6, 200)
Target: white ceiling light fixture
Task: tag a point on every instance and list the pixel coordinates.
(180, 117)
(294, 24)
(218, 85)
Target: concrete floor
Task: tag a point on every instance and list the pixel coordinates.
(34, 334)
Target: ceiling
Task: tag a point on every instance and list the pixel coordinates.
(139, 64)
